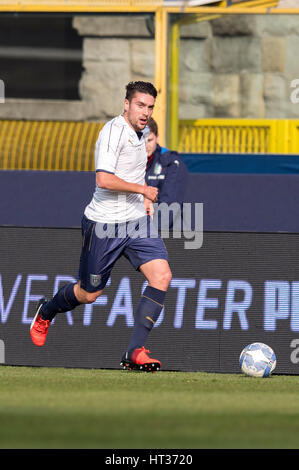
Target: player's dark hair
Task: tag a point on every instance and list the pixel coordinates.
(153, 126)
(142, 87)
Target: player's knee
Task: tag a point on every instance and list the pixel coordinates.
(85, 297)
(162, 279)
(167, 277)
(91, 297)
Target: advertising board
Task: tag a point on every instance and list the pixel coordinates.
(236, 289)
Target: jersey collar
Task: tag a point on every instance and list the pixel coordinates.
(131, 131)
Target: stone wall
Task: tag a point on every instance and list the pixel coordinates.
(244, 68)
(116, 50)
(230, 67)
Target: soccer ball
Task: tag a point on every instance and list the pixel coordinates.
(257, 360)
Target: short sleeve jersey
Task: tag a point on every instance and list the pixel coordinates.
(119, 151)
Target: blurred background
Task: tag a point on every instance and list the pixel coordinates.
(227, 82)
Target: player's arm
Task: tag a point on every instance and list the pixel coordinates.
(114, 183)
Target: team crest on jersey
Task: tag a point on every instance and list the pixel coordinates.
(95, 280)
(157, 169)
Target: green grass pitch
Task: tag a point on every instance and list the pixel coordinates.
(115, 409)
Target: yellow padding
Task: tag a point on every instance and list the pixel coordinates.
(69, 146)
(79, 5)
(48, 145)
(239, 136)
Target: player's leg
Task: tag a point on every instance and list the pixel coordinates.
(72, 295)
(158, 274)
(85, 297)
(66, 299)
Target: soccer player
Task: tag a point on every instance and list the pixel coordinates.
(118, 210)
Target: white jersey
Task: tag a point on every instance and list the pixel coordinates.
(119, 151)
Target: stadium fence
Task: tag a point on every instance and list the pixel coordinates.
(61, 145)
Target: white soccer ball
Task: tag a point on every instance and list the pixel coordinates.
(257, 360)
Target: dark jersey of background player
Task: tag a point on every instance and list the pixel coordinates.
(165, 170)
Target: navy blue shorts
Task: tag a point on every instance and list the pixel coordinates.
(104, 244)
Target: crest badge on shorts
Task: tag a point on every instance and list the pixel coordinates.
(95, 280)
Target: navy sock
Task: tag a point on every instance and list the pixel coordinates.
(147, 313)
(63, 301)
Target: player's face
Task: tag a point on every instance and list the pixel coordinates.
(139, 110)
(151, 144)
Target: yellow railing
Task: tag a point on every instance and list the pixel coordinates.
(48, 145)
(84, 6)
(239, 136)
(69, 146)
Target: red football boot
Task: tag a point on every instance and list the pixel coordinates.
(39, 326)
(139, 360)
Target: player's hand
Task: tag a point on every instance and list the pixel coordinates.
(151, 193)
